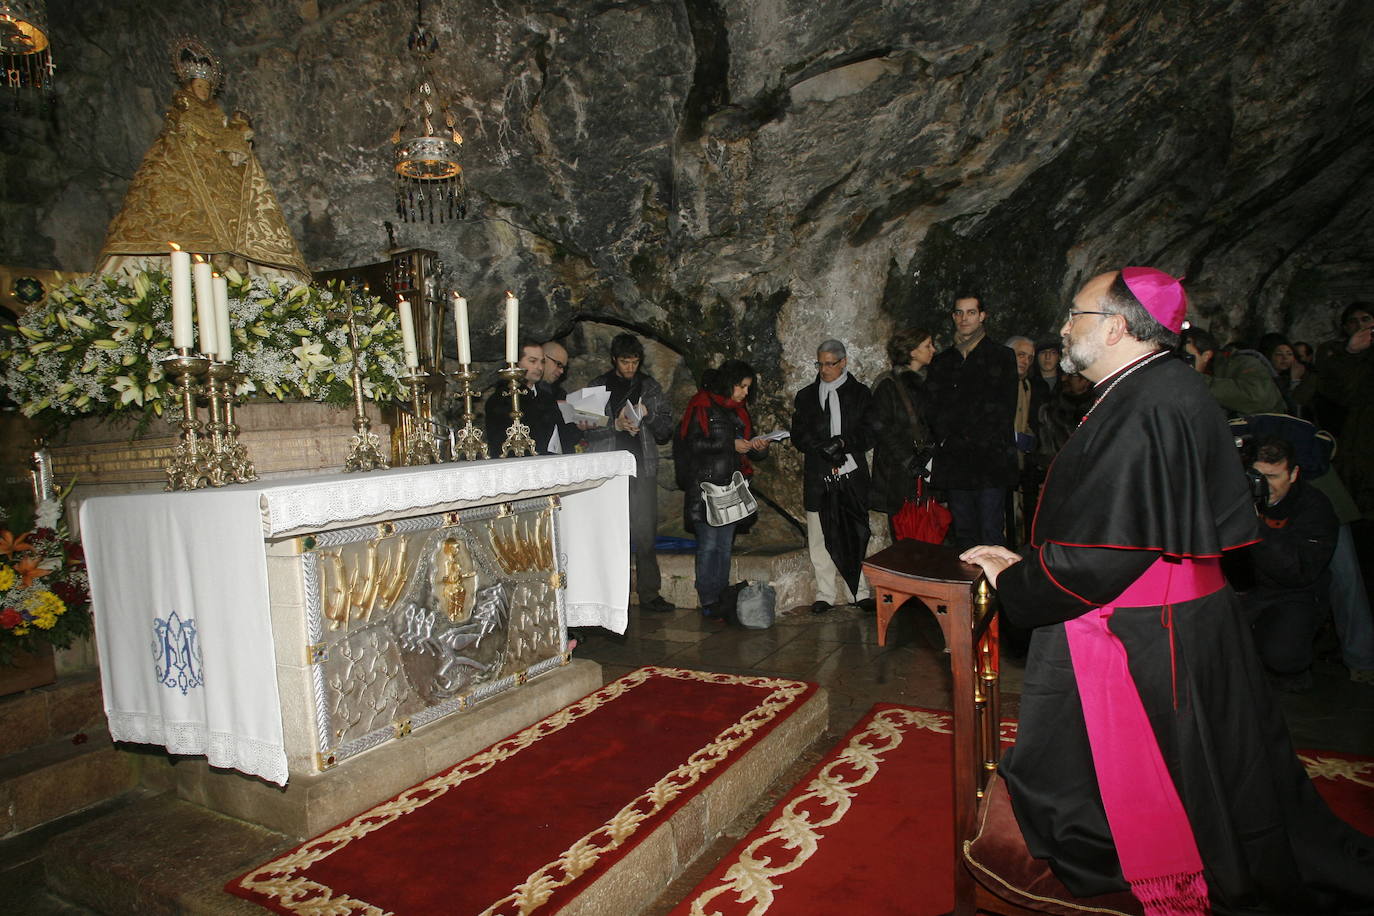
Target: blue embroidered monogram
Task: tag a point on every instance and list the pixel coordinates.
(176, 653)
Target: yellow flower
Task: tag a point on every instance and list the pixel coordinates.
(7, 578)
(45, 608)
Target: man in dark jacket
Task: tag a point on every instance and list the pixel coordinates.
(831, 428)
(973, 387)
(538, 411)
(1291, 561)
(640, 418)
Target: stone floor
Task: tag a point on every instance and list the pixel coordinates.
(839, 651)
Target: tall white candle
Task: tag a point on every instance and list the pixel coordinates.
(512, 329)
(412, 355)
(222, 333)
(183, 330)
(460, 329)
(205, 307)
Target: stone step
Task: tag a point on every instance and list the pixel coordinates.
(45, 782)
(166, 855)
(60, 711)
(788, 571)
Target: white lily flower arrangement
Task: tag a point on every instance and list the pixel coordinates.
(94, 347)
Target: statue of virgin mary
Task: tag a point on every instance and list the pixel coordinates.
(201, 185)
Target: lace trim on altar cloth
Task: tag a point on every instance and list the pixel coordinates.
(338, 498)
(230, 752)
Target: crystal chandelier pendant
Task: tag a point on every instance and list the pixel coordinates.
(429, 177)
(25, 50)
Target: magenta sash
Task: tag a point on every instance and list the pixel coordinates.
(1154, 841)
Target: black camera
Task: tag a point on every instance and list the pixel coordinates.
(1259, 485)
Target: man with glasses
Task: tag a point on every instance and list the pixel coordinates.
(830, 426)
(567, 435)
(1150, 755)
(973, 388)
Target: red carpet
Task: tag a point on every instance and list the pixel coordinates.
(870, 829)
(531, 820)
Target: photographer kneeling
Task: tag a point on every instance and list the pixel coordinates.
(1297, 536)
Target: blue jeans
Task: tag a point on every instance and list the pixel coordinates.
(713, 560)
(979, 516)
(1350, 605)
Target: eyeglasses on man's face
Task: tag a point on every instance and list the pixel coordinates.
(558, 363)
(821, 364)
(1074, 313)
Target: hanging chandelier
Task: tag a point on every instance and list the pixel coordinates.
(429, 177)
(25, 52)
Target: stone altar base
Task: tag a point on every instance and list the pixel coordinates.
(308, 805)
(166, 855)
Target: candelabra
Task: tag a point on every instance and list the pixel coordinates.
(236, 465)
(419, 445)
(186, 470)
(364, 451)
(518, 441)
(469, 442)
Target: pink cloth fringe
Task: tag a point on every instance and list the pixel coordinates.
(1154, 841)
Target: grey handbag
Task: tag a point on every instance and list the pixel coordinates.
(730, 503)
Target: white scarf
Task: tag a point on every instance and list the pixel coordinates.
(828, 396)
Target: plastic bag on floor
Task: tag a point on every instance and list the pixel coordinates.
(754, 606)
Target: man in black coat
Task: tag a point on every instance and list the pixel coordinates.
(1291, 564)
(831, 428)
(973, 386)
(539, 411)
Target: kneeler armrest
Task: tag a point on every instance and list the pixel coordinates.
(994, 872)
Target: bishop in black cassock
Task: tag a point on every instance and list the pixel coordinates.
(1144, 497)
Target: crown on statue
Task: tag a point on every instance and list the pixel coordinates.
(192, 60)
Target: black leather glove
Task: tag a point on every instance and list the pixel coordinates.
(833, 450)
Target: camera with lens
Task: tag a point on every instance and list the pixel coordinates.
(1259, 486)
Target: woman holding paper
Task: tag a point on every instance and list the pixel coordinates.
(714, 440)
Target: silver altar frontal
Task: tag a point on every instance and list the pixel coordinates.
(283, 628)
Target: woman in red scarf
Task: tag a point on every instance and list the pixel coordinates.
(715, 439)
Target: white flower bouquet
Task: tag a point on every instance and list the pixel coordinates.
(94, 347)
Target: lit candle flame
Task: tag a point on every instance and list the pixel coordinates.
(175, 246)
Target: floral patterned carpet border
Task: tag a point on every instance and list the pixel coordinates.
(870, 829)
(527, 823)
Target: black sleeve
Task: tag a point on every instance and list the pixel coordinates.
(862, 436)
(1058, 583)
(804, 437)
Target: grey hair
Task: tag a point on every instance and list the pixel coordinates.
(833, 347)
(1016, 339)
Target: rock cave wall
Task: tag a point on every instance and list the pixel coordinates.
(750, 177)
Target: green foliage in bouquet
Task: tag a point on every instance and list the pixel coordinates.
(94, 347)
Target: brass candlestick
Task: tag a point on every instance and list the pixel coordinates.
(470, 441)
(186, 470)
(238, 467)
(518, 441)
(364, 449)
(420, 447)
(216, 373)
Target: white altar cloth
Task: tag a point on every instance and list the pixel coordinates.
(180, 595)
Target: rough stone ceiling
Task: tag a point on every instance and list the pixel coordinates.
(750, 176)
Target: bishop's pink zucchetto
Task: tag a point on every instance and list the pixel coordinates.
(1160, 293)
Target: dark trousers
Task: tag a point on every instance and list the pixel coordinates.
(1285, 626)
(713, 560)
(978, 516)
(643, 531)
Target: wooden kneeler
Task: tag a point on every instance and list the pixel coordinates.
(993, 870)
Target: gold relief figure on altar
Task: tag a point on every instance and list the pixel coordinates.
(200, 185)
(455, 578)
(521, 543)
(359, 579)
